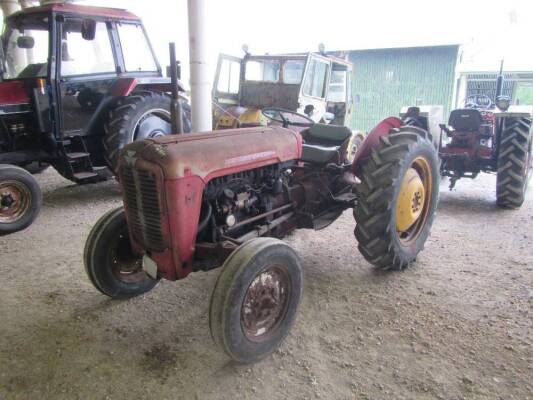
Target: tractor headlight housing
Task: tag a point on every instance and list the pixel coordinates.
(503, 102)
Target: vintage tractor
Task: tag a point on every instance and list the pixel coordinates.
(315, 84)
(78, 83)
(490, 135)
(195, 202)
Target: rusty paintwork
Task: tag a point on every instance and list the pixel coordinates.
(182, 166)
(209, 155)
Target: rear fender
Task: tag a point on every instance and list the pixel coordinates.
(372, 140)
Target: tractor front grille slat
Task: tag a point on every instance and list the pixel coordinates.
(142, 207)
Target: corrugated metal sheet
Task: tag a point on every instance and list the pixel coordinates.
(387, 79)
(516, 85)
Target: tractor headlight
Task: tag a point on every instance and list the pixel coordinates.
(503, 102)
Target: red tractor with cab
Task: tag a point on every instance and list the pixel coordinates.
(77, 84)
(224, 198)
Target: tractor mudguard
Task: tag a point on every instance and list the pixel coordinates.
(125, 86)
(372, 140)
(179, 167)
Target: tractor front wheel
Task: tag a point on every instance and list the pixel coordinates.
(514, 162)
(397, 198)
(255, 299)
(111, 265)
(20, 199)
(142, 115)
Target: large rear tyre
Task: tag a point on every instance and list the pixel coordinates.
(142, 115)
(255, 299)
(514, 162)
(397, 198)
(21, 199)
(110, 263)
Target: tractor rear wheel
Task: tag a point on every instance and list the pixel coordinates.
(397, 198)
(255, 299)
(110, 263)
(21, 199)
(142, 115)
(514, 162)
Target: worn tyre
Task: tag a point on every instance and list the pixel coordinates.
(255, 299)
(514, 162)
(397, 198)
(110, 263)
(21, 199)
(141, 115)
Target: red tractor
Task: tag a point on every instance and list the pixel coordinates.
(490, 136)
(196, 202)
(77, 84)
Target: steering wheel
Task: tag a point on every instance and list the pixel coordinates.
(478, 101)
(281, 115)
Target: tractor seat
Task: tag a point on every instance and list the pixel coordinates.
(465, 119)
(322, 142)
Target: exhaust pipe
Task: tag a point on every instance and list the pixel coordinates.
(175, 105)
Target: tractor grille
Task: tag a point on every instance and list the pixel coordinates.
(142, 207)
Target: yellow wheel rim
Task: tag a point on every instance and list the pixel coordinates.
(414, 200)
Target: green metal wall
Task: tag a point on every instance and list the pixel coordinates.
(387, 79)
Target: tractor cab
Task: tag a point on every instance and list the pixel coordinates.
(66, 59)
(78, 83)
(313, 84)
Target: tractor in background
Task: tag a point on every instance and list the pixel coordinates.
(490, 135)
(487, 135)
(317, 85)
(77, 84)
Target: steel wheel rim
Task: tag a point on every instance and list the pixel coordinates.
(15, 201)
(143, 124)
(424, 171)
(265, 303)
(125, 266)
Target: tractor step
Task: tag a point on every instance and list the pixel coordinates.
(345, 198)
(76, 155)
(325, 219)
(85, 177)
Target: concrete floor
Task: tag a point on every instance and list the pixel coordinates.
(457, 325)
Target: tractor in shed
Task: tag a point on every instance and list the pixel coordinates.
(78, 83)
(490, 135)
(224, 199)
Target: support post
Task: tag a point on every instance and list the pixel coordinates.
(200, 80)
(9, 7)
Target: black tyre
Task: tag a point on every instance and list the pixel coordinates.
(514, 162)
(397, 198)
(109, 261)
(255, 299)
(140, 116)
(21, 199)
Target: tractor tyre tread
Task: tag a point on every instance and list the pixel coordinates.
(515, 145)
(381, 176)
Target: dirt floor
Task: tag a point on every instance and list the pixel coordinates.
(457, 325)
